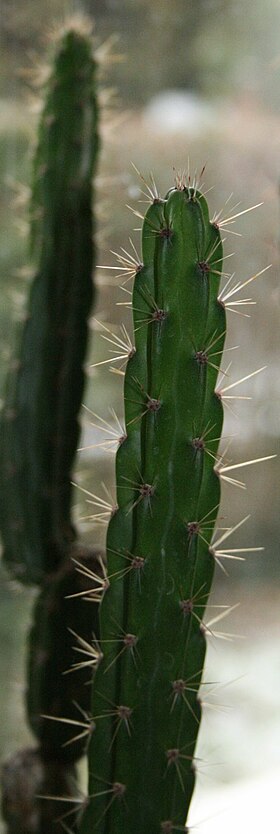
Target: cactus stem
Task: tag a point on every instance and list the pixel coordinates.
(201, 357)
(129, 642)
(213, 248)
(136, 563)
(165, 232)
(214, 457)
(174, 755)
(209, 267)
(168, 827)
(208, 429)
(157, 314)
(209, 344)
(187, 606)
(193, 522)
(198, 600)
(117, 790)
(148, 297)
(122, 714)
(205, 524)
(153, 404)
(198, 444)
(204, 267)
(180, 687)
(145, 491)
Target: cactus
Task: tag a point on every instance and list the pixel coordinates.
(39, 435)
(145, 705)
(39, 425)
(24, 777)
(57, 696)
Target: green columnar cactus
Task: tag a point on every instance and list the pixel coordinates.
(57, 694)
(145, 706)
(40, 428)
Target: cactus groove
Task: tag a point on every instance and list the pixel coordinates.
(39, 426)
(145, 702)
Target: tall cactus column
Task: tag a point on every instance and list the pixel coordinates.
(145, 705)
(40, 426)
(39, 434)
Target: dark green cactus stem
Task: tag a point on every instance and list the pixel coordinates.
(145, 702)
(65, 619)
(25, 778)
(40, 426)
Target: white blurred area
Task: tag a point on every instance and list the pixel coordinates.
(172, 110)
(238, 761)
(250, 807)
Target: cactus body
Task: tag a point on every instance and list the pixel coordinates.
(145, 697)
(56, 687)
(40, 419)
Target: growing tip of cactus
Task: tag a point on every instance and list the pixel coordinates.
(78, 24)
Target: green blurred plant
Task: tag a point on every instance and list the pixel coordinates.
(40, 430)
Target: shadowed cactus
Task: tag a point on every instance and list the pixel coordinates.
(145, 704)
(39, 435)
(57, 696)
(39, 424)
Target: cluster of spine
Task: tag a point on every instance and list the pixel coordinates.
(145, 707)
(39, 425)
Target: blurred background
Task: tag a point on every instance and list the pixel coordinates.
(197, 83)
